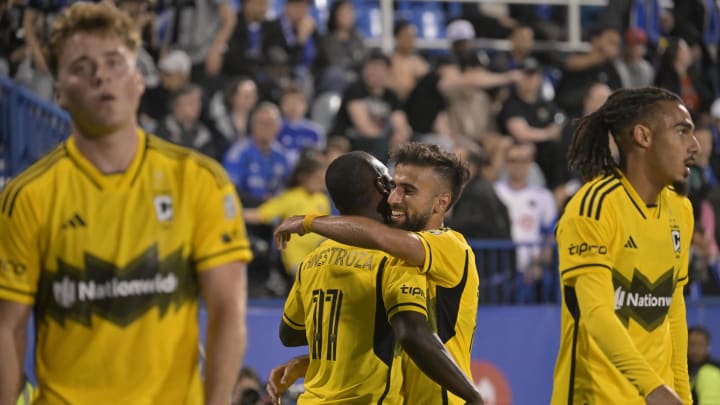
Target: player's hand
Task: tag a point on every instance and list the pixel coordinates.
(284, 375)
(288, 227)
(663, 395)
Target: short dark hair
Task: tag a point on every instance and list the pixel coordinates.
(332, 14)
(400, 25)
(377, 56)
(446, 165)
(350, 181)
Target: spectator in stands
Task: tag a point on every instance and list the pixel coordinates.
(597, 65)
(370, 113)
(202, 29)
(634, 70)
(547, 21)
(489, 20)
(248, 389)
(295, 32)
(527, 117)
(532, 213)
(406, 65)
(304, 194)
(231, 111)
(341, 51)
(297, 132)
(182, 125)
(245, 54)
(259, 167)
(13, 49)
(595, 96)
(700, 28)
(174, 70)
(704, 370)
(479, 213)
(522, 41)
(678, 74)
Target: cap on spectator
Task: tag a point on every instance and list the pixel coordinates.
(530, 65)
(175, 62)
(636, 36)
(460, 30)
(715, 109)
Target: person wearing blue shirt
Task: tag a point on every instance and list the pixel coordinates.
(259, 166)
(297, 132)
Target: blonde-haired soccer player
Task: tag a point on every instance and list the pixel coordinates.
(111, 238)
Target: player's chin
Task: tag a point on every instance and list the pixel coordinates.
(681, 186)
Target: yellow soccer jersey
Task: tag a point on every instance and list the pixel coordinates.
(111, 264)
(343, 297)
(453, 287)
(296, 201)
(607, 228)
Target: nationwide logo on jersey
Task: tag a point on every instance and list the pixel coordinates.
(118, 295)
(641, 300)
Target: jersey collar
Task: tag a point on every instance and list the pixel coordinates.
(638, 202)
(109, 181)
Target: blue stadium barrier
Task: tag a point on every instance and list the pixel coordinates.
(29, 126)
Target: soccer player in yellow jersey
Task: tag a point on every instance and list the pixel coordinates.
(111, 238)
(346, 302)
(426, 182)
(623, 241)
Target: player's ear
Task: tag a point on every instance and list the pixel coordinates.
(443, 202)
(642, 135)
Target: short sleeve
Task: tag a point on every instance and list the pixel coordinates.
(583, 245)
(19, 255)
(294, 312)
(220, 236)
(445, 256)
(404, 288)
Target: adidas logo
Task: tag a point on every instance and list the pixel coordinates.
(75, 221)
(630, 244)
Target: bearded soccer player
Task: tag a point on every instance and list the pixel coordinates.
(624, 242)
(426, 182)
(111, 238)
(351, 305)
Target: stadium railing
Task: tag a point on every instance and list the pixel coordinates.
(29, 128)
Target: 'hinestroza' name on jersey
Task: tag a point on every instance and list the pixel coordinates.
(338, 256)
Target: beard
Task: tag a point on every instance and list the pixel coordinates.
(414, 223)
(681, 187)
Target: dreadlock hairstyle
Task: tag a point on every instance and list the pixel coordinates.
(589, 152)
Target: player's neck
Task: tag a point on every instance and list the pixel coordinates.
(110, 153)
(644, 185)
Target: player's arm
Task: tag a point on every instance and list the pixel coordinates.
(223, 289)
(430, 355)
(356, 231)
(679, 336)
(285, 375)
(597, 307)
(292, 327)
(13, 321)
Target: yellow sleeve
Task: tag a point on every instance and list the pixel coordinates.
(597, 307)
(274, 208)
(444, 257)
(19, 244)
(294, 312)
(582, 247)
(403, 288)
(677, 316)
(219, 236)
